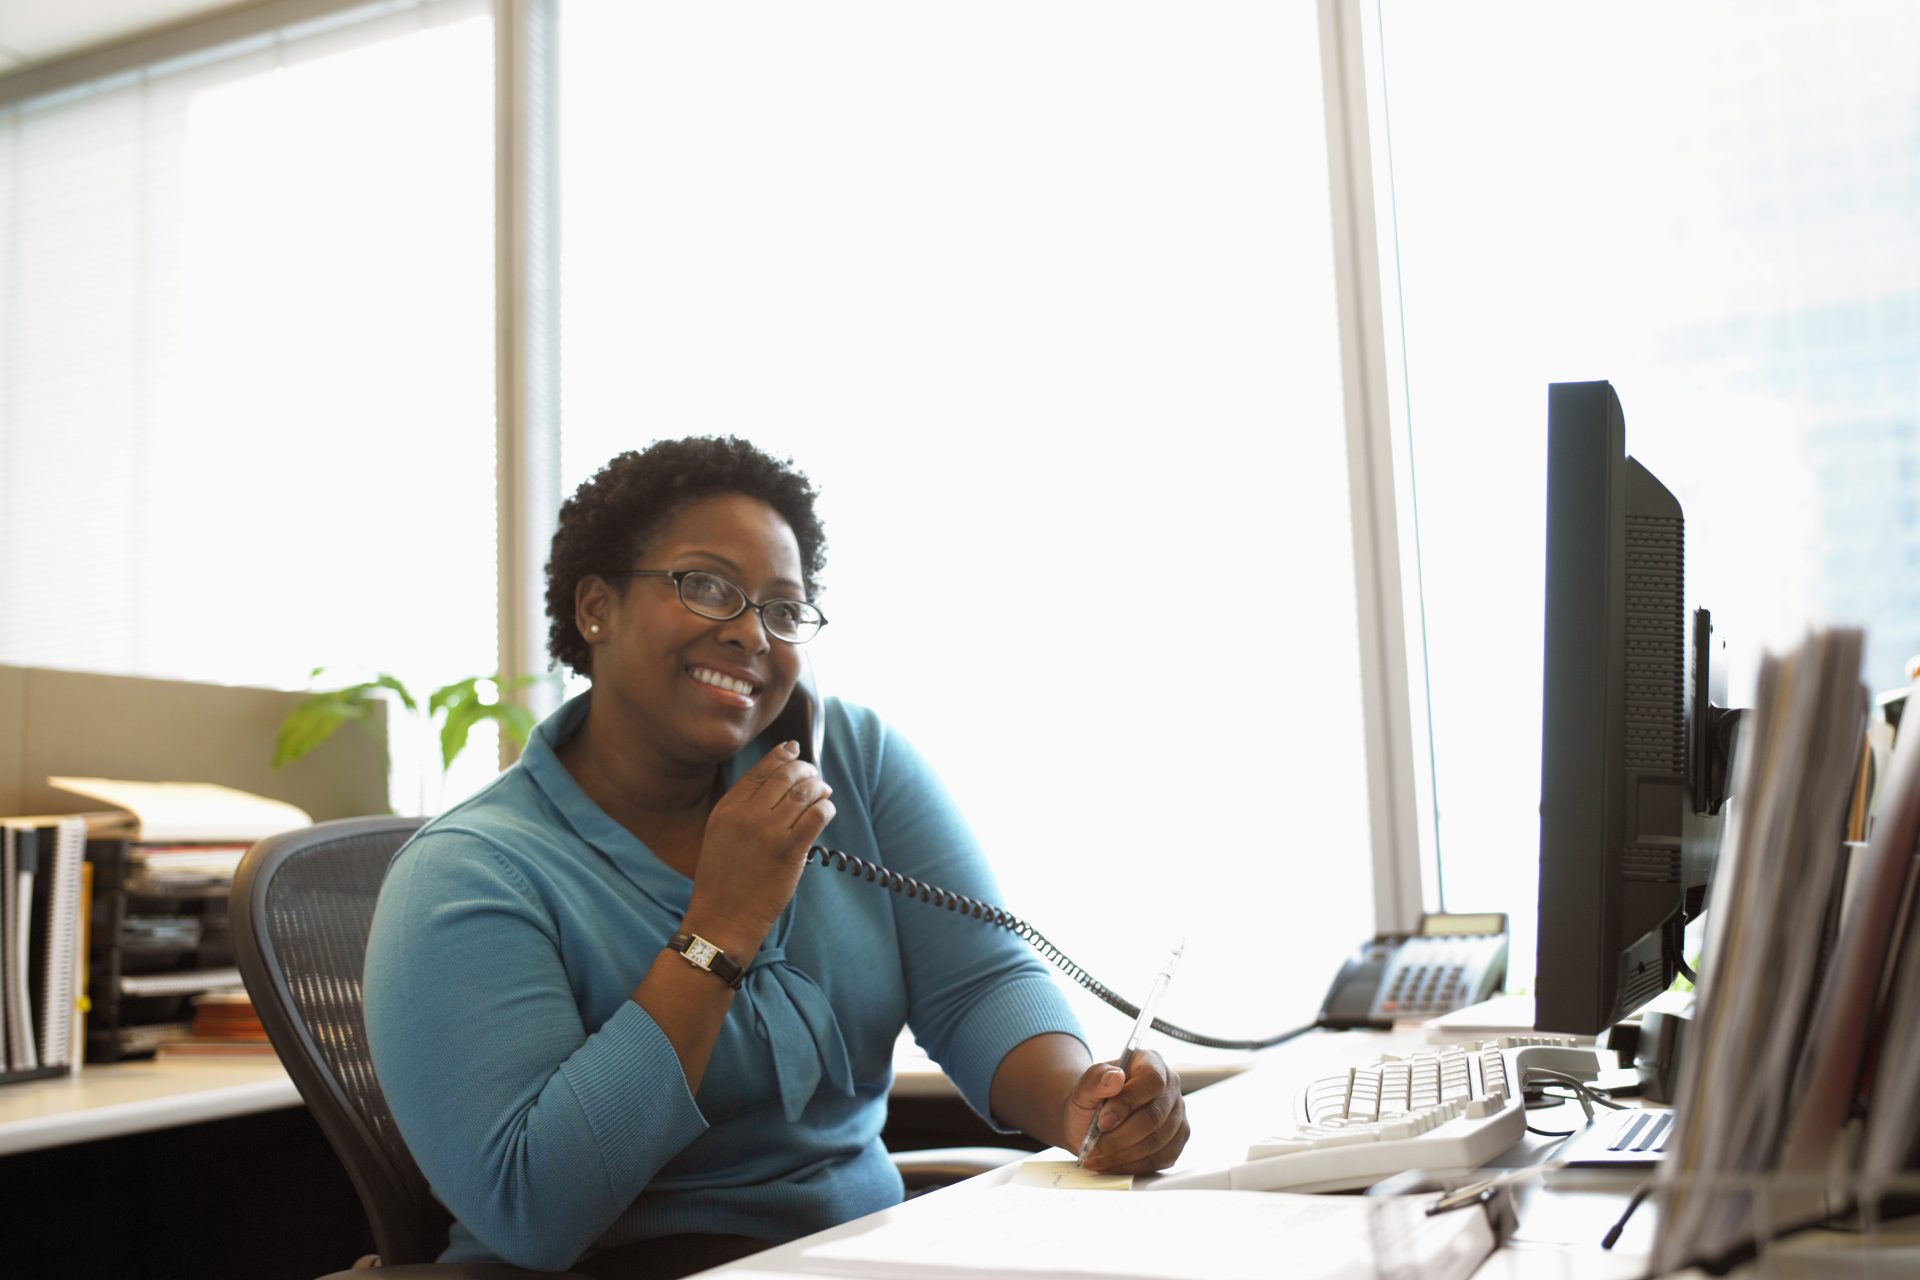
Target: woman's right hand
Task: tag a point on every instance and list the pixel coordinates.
(754, 848)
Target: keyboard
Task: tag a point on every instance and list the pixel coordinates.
(1442, 1107)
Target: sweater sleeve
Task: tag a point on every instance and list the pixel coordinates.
(974, 991)
(525, 1122)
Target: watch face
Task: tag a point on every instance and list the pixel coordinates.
(702, 952)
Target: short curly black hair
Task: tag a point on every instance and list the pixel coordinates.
(609, 518)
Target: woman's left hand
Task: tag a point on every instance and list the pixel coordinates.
(1143, 1119)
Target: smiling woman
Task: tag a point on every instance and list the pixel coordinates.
(680, 1048)
(676, 684)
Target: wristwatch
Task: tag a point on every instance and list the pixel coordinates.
(701, 954)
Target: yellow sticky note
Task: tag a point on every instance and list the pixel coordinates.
(1067, 1175)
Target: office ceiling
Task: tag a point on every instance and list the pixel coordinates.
(37, 31)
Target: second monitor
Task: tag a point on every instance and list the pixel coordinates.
(1633, 753)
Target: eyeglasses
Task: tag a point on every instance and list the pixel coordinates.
(712, 596)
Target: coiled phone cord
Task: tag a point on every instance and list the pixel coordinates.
(987, 913)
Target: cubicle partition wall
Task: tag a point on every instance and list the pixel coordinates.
(79, 723)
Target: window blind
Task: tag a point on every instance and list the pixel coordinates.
(246, 360)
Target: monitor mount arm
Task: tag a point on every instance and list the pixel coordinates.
(1721, 725)
(1713, 726)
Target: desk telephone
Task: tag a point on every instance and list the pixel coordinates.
(1450, 962)
(1481, 967)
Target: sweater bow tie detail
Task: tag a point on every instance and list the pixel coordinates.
(791, 1013)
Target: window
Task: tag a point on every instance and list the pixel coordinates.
(1717, 208)
(246, 362)
(1042, 298)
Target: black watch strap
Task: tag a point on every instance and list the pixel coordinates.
(701, 954)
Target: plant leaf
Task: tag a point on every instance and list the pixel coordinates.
(311, 723)
(314, 720)
(385, 681)
(516, 722)
(461, 717)
(448, 694)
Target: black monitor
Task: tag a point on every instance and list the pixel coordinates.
(1634, 754)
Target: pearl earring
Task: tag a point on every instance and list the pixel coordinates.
(594, 629)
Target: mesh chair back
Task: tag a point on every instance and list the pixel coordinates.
(301, 908)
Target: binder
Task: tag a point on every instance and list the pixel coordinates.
(7, 856)
(57, 976)
(18, 861)
(42, 972)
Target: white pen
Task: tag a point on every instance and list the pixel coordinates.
(1140, 1025)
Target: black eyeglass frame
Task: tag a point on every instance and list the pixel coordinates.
(679, 577)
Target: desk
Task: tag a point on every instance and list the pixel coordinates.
(122, 1098)
(1559, 1237)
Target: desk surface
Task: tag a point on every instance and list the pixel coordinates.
(134, 1097)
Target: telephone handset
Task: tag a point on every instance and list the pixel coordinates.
(800, 720)
(1452, 961)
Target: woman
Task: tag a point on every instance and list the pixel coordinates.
(611, 1013)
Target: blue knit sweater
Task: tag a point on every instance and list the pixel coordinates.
(548, 1110)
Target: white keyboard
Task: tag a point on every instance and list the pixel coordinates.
(1447, 1107)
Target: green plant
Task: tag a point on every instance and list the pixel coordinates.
(463, 704)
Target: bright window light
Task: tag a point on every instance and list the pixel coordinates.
(1716, 207)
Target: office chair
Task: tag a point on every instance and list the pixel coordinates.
(301, 908)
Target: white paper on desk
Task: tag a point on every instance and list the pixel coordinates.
(191, 811)
(1016, 1231)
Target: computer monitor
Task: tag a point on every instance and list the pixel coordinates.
(1634, 753)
